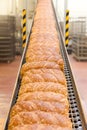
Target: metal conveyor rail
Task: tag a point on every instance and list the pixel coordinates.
(75, 112)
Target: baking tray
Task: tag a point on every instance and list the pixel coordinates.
(75, 112)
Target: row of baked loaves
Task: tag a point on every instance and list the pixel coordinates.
(42, 102)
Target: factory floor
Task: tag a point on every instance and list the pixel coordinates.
(8, 73)
(79, 70)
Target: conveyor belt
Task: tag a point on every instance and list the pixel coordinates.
(75, 113)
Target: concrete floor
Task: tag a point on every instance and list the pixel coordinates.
(8, 73)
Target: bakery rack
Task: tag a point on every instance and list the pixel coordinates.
(7, 38)
(76, 112)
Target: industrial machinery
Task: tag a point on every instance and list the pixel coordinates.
(76, 112)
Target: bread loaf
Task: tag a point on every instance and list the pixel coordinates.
(40, 127)
(34, 105)
(44, 75)
(43, 87)
(44, 96)
(40, 117)
(38, 65)
(44, 54)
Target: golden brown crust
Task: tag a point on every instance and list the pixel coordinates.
(43, 87)
(44, 96)
(40, 127)
(44, 75)
(44, 53)
(34, 105)
(38, 65)
(35, 54)
(40, 117)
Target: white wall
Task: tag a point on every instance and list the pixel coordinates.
(78, 8)
(7, 7)
(16, 6)
(3, 7)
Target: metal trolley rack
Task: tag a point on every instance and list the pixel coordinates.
(7, 38)
(75, 112)
(78, 34)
